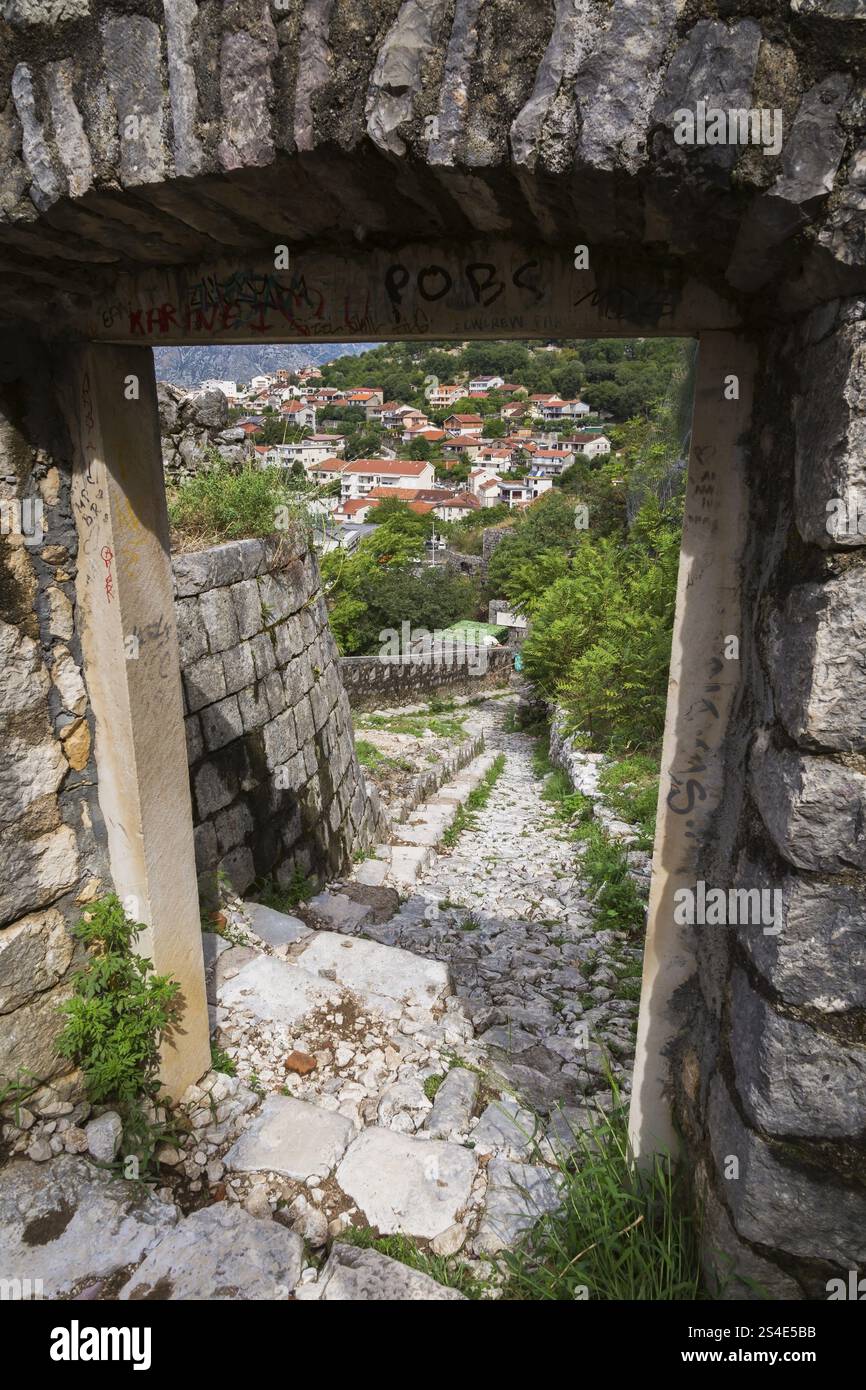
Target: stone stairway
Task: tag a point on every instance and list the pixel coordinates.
(412, 1066)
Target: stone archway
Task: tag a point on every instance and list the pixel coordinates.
(207, 173)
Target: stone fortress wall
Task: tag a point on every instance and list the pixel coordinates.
(276, 784)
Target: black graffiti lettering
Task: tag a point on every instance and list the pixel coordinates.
(396, 280)
(491, 286)
(693, 791)
(523, 280)
(428, 272)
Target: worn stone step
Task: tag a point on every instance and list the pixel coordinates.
(292, 1137)
(276, 928)
(407, 1185)
(276, 991)
(75, 1226)
(220, 1252)
(371, 969)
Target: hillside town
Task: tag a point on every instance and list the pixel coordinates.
(477, 443)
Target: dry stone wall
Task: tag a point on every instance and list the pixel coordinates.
(276, 784)
(52, 844)
(373, 681)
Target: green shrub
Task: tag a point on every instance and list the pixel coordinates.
(631, 787)
(620, 1235)
(225, 505)
(116, 1020)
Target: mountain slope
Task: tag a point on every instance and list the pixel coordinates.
(189, 366)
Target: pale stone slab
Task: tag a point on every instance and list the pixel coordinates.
(505, 1128)
(275, 991)
(452, 1107)
(407, 1185)
(370, 968)
(73, 1225)
(277, 928)
(518, 1195)
(220, 1252)
(408, 862)
(372, 872)
(291, 1137)
(365, 1276)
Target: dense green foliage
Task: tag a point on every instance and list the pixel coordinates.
(382, 584)
(118, 1015)
(594, 565)
(225, 504)
(621, 376)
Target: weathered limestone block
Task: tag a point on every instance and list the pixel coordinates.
(36, 868)
(28, 1036)
(716, 64)
(71, 1224)
(616, 86)
(208, 569)
(733, 1271)
(830, 433)
(67, 680)
(353, 1275)
(33, 766)
(204, 682)
(281, 739)
(785, 1208)
(191, 632)
(247, 91)
(818, 960)
(817, 661)
(203, 410)
(397, 76)
(248, 607)
(214, 786)
(132, 52)
(220, 1252)
(239, 667)
(545, 127)
(34, 955)
(810, 159)
(813, 809)
(221, 723)
(792, 1079)
(180, 19)
(219, 620)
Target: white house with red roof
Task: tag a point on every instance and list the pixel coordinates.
(359, 477)
(298, 413)
(558, 409)
(480, 385)
(441, 396)
(589, 444)
(551, 462)
(455, 508)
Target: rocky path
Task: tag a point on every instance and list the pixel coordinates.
(507, 910)
(414, 1064)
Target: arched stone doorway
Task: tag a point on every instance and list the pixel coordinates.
(196, 174)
